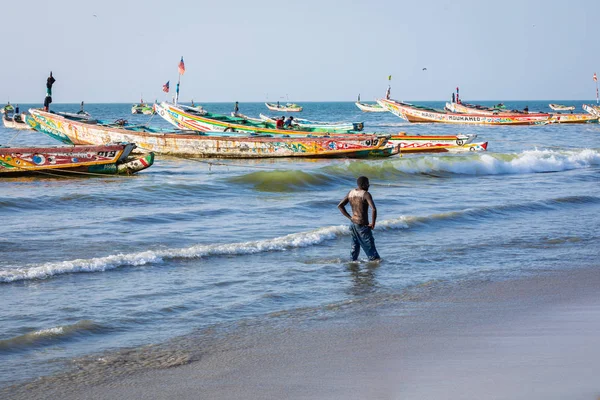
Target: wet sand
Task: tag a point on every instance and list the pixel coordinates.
(534, 338)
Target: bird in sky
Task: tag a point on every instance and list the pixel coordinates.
(424, 69)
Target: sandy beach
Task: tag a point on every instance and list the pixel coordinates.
(533, 338)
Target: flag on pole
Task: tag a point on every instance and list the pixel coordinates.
(181, 67)
(389, 78)
(166, 87)
(595, 77)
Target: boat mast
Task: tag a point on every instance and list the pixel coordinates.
(181, 72)
(596, 80)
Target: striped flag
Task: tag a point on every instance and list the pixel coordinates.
(166, 87)
(181, 67)
(595, 77)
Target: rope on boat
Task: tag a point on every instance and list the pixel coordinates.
(11, 139)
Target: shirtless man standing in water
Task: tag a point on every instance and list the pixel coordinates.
(360, 200)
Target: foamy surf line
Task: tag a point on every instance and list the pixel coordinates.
(526, 162)
(101, 264)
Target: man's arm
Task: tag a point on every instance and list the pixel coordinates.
(342, 207)
(371, 203)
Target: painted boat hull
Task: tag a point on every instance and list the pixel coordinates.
(16, 122)
(202, 145)
(275, 107)
(183, 118)
(416, 114)
(142, 109)
(552, 118)
(573, 118)
(436, 144)
(325, 126)
(591, 109)
(113, 159)
(370, 107)
(559, 107)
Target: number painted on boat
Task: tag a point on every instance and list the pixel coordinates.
(107, 153)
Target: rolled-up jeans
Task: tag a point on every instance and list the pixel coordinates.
(362, 236)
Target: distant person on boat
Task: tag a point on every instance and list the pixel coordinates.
(526, 110)
(49, 82)
(388, 93)
(362, 236)
(453, 98)
(288, 122)
(279, 123)
(236, 109)
(17, 109)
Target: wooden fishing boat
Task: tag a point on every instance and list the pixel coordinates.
(288, 107)
(558, 118)
(370, 107)
(573, 118)
(560, 107)
(187, 119)
(15, 121)
(104, 159)
(413, 113)
(184, 117)
(325, 126)
(436, 144)
(592, 109)
(215, 144)
(142, 108)
(466, 108)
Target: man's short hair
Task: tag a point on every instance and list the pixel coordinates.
(362, 182)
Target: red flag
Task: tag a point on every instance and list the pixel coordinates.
(181, 67)
(166, 87)
(595, 77)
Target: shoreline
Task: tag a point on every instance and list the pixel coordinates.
(528, 338)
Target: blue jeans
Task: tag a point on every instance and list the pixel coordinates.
(362, 236)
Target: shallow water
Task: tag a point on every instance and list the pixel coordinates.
(89, 265)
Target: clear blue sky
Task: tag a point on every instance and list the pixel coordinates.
(309, 50)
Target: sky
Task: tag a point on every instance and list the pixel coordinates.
(308, 50)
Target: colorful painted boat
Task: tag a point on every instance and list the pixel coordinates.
(142, 108)
(558, 118)
(418, 114)
(476, 109)
(216, 144)
(15, 121)
(288, 107)
(573, 118)
(82, 160)
(370, 107)
(592, 109)
(325, 126)
(560, 107)
(436, 144)
(7, 109)
(184, 117)
(187, 119)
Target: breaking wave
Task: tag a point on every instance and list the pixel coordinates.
(44, 336)
(392, 169)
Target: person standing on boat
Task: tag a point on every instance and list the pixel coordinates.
(362, 236)
(236, 109)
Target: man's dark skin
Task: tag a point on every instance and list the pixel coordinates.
(358, 210)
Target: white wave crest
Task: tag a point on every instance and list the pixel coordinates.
(531, 161)
(295, 240)
(100, 264)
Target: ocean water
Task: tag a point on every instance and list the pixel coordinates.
(93, 265)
